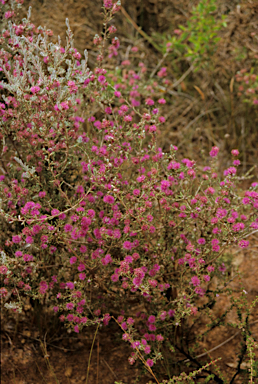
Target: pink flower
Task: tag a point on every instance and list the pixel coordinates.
(171, 312)
(70, 285)
(130, 321)
(16, 239)
(108, 199)
(69, 306)
(159, 338)
(162, 72)
(127, 245)
(3, 269)
(152, 229)
(152, 327)
(35, 89)
(68, 228)
(115, 278)
(230, 171)
(101, 79)
(195, 281)
(216, 248)
(235, 152)
(147, 349)
(200, 291)
(42, 194)
(214, 151)
(128, 118)
(152, 319)
(8, 14)
(82, 276)
(149, 101)
(152, 128)
(81, 267)
(149, 362)
(64, 105)
(108, 4)
(243, 243)
(221, 213)
(165, 184)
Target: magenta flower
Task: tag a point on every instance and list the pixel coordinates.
(221, 213)
(70, 285)
(73, 260)
(152, 319)
(81, 267)
(101, 79)
(195, 281)
(127, 245)
(152, 327)
(16, 239)
(35, 89)
(3, 269)
(149, 101)
(82, 276)
(108, 199)
(171, 312)
(69, 306)
(130, 321)
(235, 152)
(147, 349)
(159, 338)
(149, 362)
(243, 243)
(136, 192)
(115, 278)
(214, 151)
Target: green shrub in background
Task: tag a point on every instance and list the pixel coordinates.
(197, 41)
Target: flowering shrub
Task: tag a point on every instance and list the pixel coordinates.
(95, 217)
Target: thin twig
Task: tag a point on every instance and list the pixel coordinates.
(88, 369)
(97, 381)
(183, 76)
(200, 116)
(250, 234)
(158, 65)
(128, 17)
(174, 93)
(221, 344)
(40, 341)
(111, 370)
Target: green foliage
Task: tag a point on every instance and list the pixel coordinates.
(198, 41)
